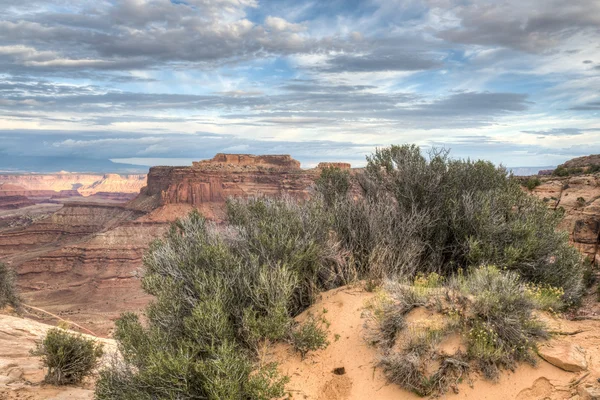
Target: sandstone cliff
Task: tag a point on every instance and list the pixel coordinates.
(213, 181)
(579, 197)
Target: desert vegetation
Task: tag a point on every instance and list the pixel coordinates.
(422, 224)
(489, 308)
(69, 357)
(8, 291)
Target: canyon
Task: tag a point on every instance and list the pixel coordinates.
(82, 261)
(78, 252)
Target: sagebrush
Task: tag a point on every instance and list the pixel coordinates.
(69, 357)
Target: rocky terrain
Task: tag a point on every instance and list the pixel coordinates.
(21, 375)
(579, 197)
(21, 190)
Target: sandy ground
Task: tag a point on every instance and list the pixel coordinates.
(313, 377)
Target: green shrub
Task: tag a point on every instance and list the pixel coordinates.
(8, 291)
(434, 214)
(502, 330)
(490, 308)
(580, 202)
(69, 358)
(333, 183)
(214, 302)
(532, 183)
(309, 336)
(281, 232)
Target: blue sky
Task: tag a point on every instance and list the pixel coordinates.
(167, 82)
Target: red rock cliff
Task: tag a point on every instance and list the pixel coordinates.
(213, 181)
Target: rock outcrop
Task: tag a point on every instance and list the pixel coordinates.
(579, 198)
(564, 355)
(213, 181)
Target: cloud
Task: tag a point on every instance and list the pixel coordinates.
(561, 131)
(381, 60)
(530, 25)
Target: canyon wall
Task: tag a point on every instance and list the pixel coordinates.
(213, 181)
(579, 198)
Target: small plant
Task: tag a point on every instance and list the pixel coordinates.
(8, 291)
(309, 336)
(532, 183)
(580, 202)
(266, 383)
(546, 297)
(69, 357)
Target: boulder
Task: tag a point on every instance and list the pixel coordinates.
(564, 355)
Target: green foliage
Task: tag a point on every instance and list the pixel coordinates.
(214, 302)
(284, 234)
(435, 214)
(564, 171)
(310, 335)
(532, 182)
(8, 290)
(593, 169)
(502, 330)
(580, 201)
(333, 184)
(489, 307)
(69, 357)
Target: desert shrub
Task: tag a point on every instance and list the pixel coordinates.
(281, 232)
(532, 182)
(546, 297)
(8, 290)
(212, 306)
(502, 330)
(580, 201)
(311, 335)
(69, 357)
(592, 169)
(333, 183)
(490, 308)
(425, 214)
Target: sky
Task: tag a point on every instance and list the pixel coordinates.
(164, 82)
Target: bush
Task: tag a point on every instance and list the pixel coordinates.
(333, 183)
(309, 336)
(435, 214)
(502, 330)
(69, 358)
(8, 291)
(580, 202)
(490, 308)
(281, 232)
(532, 183)
(216, 298)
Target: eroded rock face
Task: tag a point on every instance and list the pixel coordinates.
(579, 198)
(213, 181)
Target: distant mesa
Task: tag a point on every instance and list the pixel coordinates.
(340, 165)
(222, 160)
